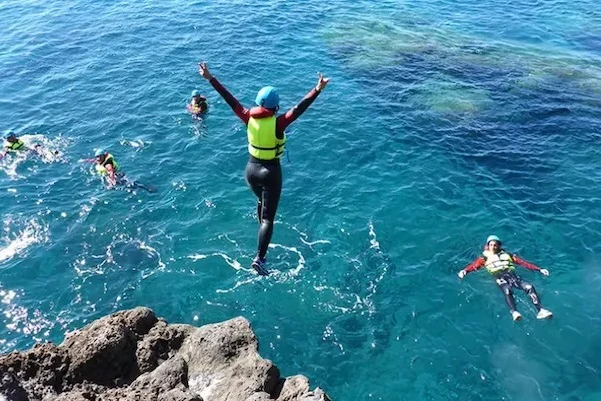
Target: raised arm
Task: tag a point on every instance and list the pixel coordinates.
(291, 115)
(241, 111)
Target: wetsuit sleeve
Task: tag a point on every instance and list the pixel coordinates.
(524, 263)
(475, 265)
(241, 111)
(291, 115)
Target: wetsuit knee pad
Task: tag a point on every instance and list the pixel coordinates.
(527, 287)
(507, 290)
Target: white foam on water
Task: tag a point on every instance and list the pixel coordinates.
(136, 143)
(311, 243)
(238, 284)
(230, 261)
(197, 256)
(221, 236)
(50, 150)
(33, 233)
(7, 296)
(10, 162)
(301, 259)
(179, 185)
(152, 252)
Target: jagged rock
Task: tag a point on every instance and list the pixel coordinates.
(317, 395)
(293, 388)
(262, 396)
(104, 351)
(178, 395)
(161, 342)
(38, 372)
(75, 396)
(164, 378)
(223, 362)
(11, 387)
(133, 356)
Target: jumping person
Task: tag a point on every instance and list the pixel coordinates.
(266, 142)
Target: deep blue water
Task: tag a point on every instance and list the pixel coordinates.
(444, 121)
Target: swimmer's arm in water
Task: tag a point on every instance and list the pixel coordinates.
(528, 265)
(7, 149)
(475, 265)
(295, 112)
(111, 174)
(241, 111)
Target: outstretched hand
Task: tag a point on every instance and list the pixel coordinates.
(321, 82)
(544, 272)
(462, 273)
(203, 70)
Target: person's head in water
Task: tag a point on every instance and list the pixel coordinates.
(100, 155)
(198, 100)
(11, 137)
(268, 98)
(493, 243)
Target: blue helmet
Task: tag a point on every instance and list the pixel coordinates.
(492, 238)
(195, 93)
(8, 133)
(99, 152)
(268, 97)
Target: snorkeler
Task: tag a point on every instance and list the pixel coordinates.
(266, 142)
(501, 265)
(198, 104)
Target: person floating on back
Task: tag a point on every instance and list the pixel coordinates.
(266, 142)
(107, 167)
(501, 265)
(198, 104)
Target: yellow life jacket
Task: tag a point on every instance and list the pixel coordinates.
(16, 145)
(263, 143)
(101, 169)
(497, 262)
(197, 109)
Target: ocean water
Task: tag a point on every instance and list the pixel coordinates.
(444, 121)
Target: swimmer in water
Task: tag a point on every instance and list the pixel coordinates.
(501, 266)
(14, 145)
(198, 104)
(107, 167)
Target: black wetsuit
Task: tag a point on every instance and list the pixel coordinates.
(265, 180)
(264, 177)
(507, 280)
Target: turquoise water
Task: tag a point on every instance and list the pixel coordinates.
(444, 121)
